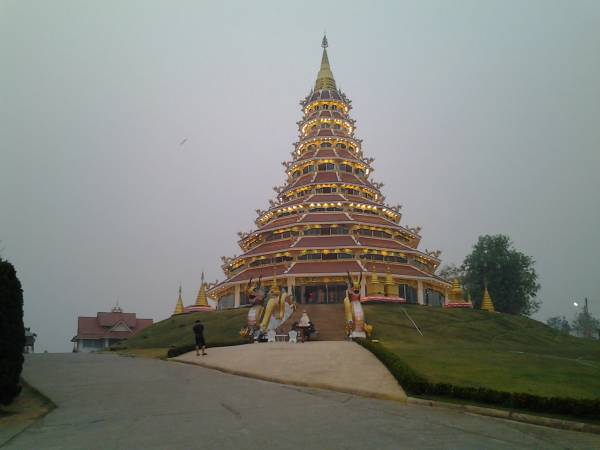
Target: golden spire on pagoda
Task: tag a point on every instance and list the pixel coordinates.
(179, 305)
(486, 303)
(201, 298)
(325, 77)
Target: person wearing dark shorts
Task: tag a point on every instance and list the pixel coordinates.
(199, 335)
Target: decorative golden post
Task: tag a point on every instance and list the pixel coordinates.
(391, 288)
(374, 288)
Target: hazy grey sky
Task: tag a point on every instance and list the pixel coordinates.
(483, 118)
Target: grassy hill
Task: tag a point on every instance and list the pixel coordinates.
(498, 351)
(220, 327)
(463, 347)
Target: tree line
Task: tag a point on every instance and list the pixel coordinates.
(508, 274)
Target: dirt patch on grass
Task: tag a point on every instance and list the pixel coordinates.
(28, 407)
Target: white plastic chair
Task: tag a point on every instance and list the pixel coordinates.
(293, 337)
(271, 336)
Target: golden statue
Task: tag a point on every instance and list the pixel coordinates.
(353, 311)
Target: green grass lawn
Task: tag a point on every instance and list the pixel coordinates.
(498, 351)
(221, 327)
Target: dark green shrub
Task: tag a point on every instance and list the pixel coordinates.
(12, 332)
(415, 384)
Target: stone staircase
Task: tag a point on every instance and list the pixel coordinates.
(327, 319)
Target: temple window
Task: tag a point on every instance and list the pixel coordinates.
(325, 190)
(325, 144)
(346, 168)
(284, 235)
(359, 171)
(296, 174)
(326, 167)
(326, 231)
(372, 257)
(281, 259)
(364, 211)
(309, 168)
(351, 191)
(397, 259)
(311, 147)
(337, 126)
(309, 256)
(408, 292)
(312, 232)
(333, 107)
(340, 230)
(261, 262)
(374, 233)
(340, 145)
(325, 209)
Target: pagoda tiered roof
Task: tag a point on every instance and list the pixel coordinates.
(329, 217)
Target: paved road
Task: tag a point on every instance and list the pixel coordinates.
(111, 402)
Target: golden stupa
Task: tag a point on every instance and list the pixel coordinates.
(179, 306)
(486, 303)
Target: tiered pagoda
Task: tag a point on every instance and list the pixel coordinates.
(330, 218)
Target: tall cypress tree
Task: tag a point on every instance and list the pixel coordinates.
(12, 332)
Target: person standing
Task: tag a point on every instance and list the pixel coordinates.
(199, 335)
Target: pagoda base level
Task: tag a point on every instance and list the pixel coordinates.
(358, 334)
(193, 309)
(382, 299)
(458, 305)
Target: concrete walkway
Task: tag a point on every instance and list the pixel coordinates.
(107, 402)
(338, 366)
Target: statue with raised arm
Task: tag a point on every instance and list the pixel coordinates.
(356, 327)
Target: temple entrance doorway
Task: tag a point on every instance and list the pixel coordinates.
(323, 294)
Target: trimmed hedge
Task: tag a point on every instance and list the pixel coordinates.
(181, 349)
(414, 383)
(12, 333)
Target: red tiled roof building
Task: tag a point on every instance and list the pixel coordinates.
(106, 329)
(328, 218)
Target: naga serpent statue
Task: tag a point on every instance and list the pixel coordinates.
(356, 327)
(279, 308)
(256, 295)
